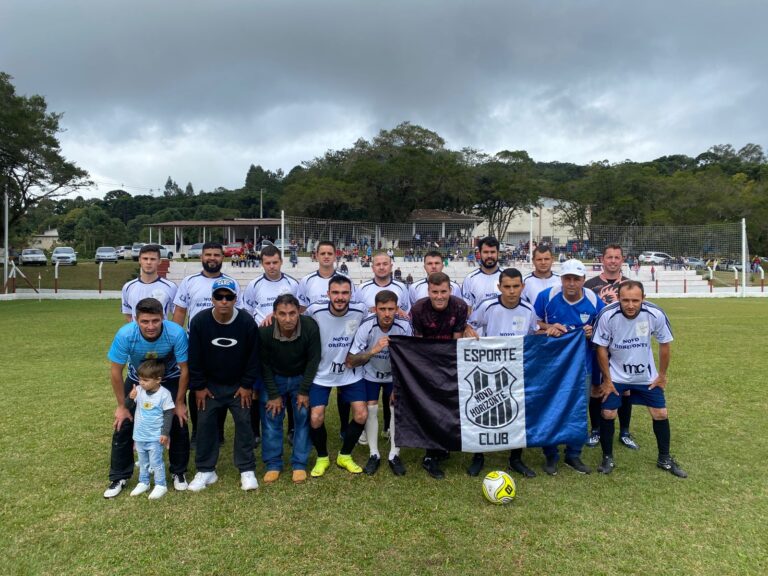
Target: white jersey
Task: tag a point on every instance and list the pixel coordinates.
(629, 341)
(368, 290)
(194, 294)
(336, 336)
(479, 286)
(161, 289)
(314, 288)
(260, 294)
(492, 318)
(378, 368)
(420, 289)
(534, 285)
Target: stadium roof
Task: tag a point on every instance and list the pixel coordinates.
(231, 222)
(424, 215)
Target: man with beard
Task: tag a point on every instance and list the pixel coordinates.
(606, 286)
(433, 262)
(149, 284)
(542, 276)
(193, 296)
(484, 282)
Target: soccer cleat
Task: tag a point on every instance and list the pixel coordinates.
(372, 466)
(432, 466)
(140, 489)
(576, 463)
(202, 480)
(299, 476)
(607, 465)
(594, 439)
(363, 440)
(478, 460)
(321, 465)
(248, 480)
(180, 482)
(114, 488)
(668, 463)
(158, 492)
(271, 476)
(397, 466)
(550, 466)
(519, 466)
(345, 461)
(628, 441)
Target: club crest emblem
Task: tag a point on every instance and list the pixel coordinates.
(641, 329)
(491, 404)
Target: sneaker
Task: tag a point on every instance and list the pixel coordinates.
(397, 466)
(372, 466)
(114, 488)
(432, 466)
(667, 463)
(550, 466)
(576, 463)
(201, 480)
(180, 482)
(594, 439)
(140, 489)
(299, 476)
(628, 441)
(248, 480)
(345, 461)
(363, 440)
(607, 465)
(158, 492)
(519, 466)
(321, 465)
(271, 476)
(478, 460)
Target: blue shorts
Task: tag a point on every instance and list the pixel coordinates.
(639, 395)
(372, 390)
(319, 395)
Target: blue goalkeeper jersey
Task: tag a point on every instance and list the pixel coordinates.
(129, 346)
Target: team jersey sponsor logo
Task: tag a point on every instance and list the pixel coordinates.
(224, 342)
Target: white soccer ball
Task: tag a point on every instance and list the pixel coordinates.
(499, 487)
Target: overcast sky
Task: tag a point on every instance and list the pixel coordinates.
(199, 91)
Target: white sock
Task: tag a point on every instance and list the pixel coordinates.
(394, 450)
(372, 429)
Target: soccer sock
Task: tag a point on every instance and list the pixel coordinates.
(343, 414)
(515, 454)
(607, 428)
(394, 450)
(625, 414)
(372, 429)
(594, 412)
(351, 436)
(661, 429)
(319, 438)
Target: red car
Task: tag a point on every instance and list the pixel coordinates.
(236, 248)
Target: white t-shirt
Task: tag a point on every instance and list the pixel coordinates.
(492, 318)
(161, 289)
(260, 294)
(534, 285)
(420, 289)
(336, 336)
(314, 288)
(194, 294)
(368, 290)
(378, 368)
(148, 419)
(629, 341)
(479, 286)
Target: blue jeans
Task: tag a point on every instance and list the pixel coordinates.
(151, 460)
(272, 442)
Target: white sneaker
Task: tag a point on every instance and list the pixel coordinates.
(248, 481)
(363, 441)
(114, 488)
(180, 482)
(140, 489)
(157, 492)
(201, 480)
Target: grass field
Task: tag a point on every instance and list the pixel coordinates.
(84, 276)
(56, 411)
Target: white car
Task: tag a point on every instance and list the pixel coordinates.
(654, 257)
(195, 251)
(33, 256)
(123, 251)
(105, 254)
(64, 255)
(135, 251)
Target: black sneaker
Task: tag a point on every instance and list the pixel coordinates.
(594, 439)
(628, 441)
(576, 463)
(519, 466)
(432, 466)
(397, 466)
(114, 488)
(478, 460)
(607, 465)
(667, 463)
(550, 466)
(372, 465)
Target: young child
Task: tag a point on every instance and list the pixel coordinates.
(152, 424)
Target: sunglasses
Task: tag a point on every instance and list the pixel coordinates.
(228, 296)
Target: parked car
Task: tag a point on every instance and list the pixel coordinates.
(234, 248)
(654, 257)
(105, 254)
(695, 263)
(64, 255)
(135, 250)
(195, 251)
(123, 251)
(33, 256)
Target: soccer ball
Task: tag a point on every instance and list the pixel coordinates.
(499, 487)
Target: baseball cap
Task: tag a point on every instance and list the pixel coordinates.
(224, 284)
(573, 268)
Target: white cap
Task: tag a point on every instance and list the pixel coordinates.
(573, 268)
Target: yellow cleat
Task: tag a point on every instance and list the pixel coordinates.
(322, 464)
(345, 461)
